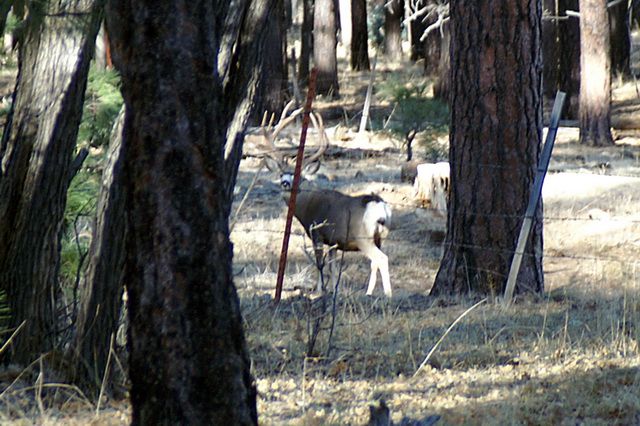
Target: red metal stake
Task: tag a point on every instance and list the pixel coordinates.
(294, 186)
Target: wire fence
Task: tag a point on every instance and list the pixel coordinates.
(630, 257)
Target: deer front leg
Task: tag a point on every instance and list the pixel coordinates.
(380, 261)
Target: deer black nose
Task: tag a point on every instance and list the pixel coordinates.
(381, 221)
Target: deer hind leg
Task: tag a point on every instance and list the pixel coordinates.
(379, 261)
(334, 266)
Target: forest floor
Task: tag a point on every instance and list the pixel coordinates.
(570, 356)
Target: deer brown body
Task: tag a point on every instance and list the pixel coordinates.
(340, 221)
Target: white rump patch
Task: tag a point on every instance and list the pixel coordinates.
(377, 216)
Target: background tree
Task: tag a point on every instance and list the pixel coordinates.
(324, 47)
(416, 29)
(103, 282)
(189, 77)
(306, 39)
(360, 36)
(36, 152)
(561, 51)
(595, 85)
(496, 127)
(442, 86)
(620, 38)
(274, 75)
(393, 14)
(346, 22)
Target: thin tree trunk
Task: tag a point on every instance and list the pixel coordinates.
(442, 87)
(306, 39)
(360, 37)
(37, 151)
(393, 14)
(496, 127)
(620, 38)
(346, 23)
(595, 85)
(416, 28)
(274, 76)
(432, 48)
(550, 49)
(102, 285)
(324, 47)
(569, 45)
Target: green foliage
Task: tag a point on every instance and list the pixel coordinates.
(78, 217)
(414, 112)
(102, 104)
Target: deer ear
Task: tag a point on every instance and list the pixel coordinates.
(272, 165)
(311, 168)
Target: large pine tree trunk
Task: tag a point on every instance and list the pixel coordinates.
(393, 14)
(324, 47)
(36, 152)
(595, 85)
(360, 36)
(496, 127)
(102, 285)
(182, 144)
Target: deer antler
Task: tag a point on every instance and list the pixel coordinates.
(270, 135)
(316, 119)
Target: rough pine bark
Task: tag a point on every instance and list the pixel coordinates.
(324, 47)
(360, 36)
(496, 128)
(393, 15)
(190, 72)
(103, 282)
(36, 152)
(595, 85)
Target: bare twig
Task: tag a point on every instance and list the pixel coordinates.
(245, 197)
(13, 335)
(426, 360)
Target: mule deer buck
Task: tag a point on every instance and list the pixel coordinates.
(343, 222)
